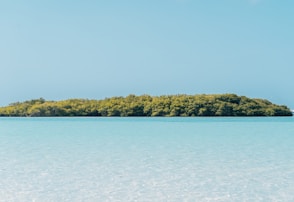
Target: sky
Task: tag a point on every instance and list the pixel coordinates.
(60, 49)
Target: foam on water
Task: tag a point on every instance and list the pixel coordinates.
(146, 159)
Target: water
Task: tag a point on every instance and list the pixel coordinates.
(146, 159)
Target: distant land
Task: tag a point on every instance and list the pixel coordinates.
(146, 105)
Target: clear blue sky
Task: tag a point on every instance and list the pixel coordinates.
(59, 49)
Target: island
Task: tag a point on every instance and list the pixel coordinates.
(146, 105)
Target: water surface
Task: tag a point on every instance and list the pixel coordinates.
(147, 159)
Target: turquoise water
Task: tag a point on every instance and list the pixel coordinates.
(147, 159)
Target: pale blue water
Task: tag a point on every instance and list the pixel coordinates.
(147, 159)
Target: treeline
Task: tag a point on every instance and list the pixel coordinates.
(145, 105)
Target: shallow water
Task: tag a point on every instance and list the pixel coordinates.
(147, 159)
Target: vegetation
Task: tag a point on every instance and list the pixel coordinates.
(145, 105)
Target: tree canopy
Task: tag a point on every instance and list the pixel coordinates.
(146, 105)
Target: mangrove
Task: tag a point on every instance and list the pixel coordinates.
(146, 105)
